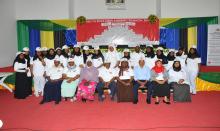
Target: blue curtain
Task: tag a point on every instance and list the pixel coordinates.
(170, 38)
(202, 34)
(70, 37)
(34, 40)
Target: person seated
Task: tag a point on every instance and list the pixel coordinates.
(88, 80)
(179, 83)
(106, 80)
(52, 89)
(124, 82)
(159, 77)
(71, 76)
(141, 79)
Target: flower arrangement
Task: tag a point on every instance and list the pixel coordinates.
(152, 19)
(81, 20)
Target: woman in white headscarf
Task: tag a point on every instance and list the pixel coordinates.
(71, 76)
(113, 56)
(193, 61)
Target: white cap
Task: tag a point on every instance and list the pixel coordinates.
(76, 46)
(25, 49)
(112, 45)
(193, 46)
(126, 50)
(89, 59)
(18, 53)
(85, 47)
(96, 48)
(65, 47)
(38, 49)
(44, 49)
(70, 60)
(172, 50)
(58, 48)
(159, 48)
(149, 45)
(57, 59)
(124, 59)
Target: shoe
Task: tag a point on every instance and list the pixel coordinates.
(56, 102)
(148, 101)
(157, 102)
(135, 101)
(65, 98)
(83, 100)
(100, 99)
(167, 102)
(42, 102)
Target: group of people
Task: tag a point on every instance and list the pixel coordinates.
(76, 74)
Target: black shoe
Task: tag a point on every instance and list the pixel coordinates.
(112, 98)
(148, 101)
(65, 98)
(167, 102)
(157, 102)
(135, 101)
(83, 100)
(56, 102)
(42, 102)
(101, 99)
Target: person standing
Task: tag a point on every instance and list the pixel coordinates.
(77, 56)
(97, 58)
(150, 57)
(135, 56)
(29, 60)
(38, 72)
(113, 56)
(193, 61)
(21, 81)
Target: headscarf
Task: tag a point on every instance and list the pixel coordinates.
(176, 68)
(151, 53)
(158, 69)
(50, 57)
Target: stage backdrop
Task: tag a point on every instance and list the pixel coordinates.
(118, 31)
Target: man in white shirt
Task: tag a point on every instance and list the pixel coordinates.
(135, 56)
(106, 80)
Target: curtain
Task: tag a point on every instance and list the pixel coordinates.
(170, 38)
(34, 38)
(202, 42)
(183, 38)
(192, 36)
(47, 39)
(59, 39)
(22, 36)
(70, 36)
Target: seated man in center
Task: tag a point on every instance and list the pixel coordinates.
(106, 80)
(141, 79)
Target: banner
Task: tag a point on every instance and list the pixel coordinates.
(213, 53)
(118, 31)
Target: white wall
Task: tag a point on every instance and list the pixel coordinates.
(42, 9)
(8, 37)
(97, 9)
(189, 8)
